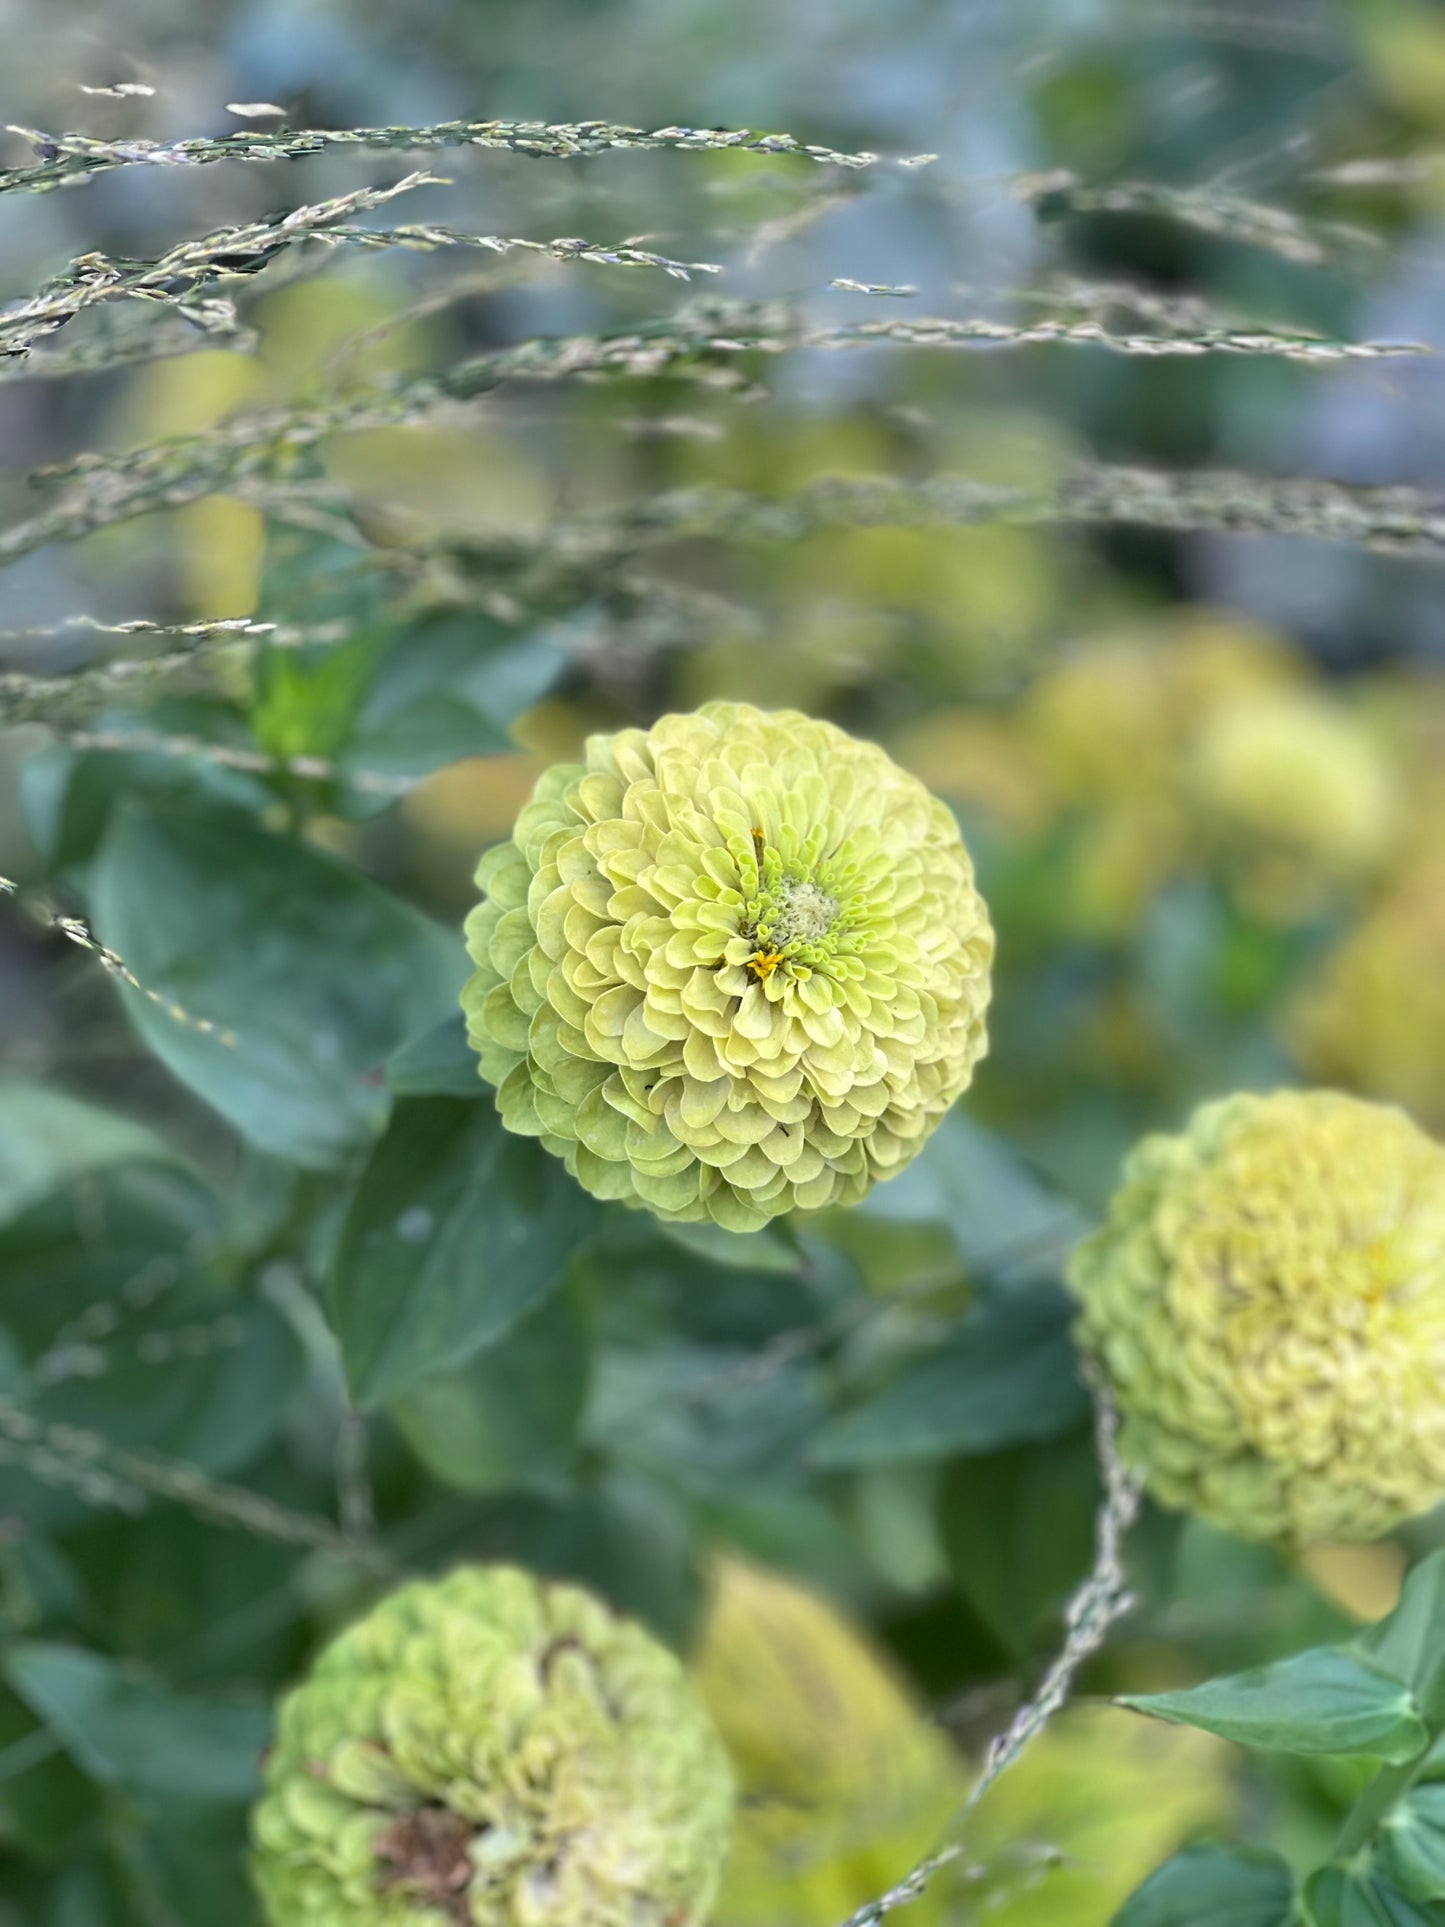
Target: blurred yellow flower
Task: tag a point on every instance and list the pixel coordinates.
(844, 1784)
(1373, 1017)
(1292, 798)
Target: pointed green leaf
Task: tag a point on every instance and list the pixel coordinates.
(48, 1139)
(456, 1229)
(1410, 1643)
(1209, 1886)
(507, 1420)
(317, 971)
(1412, 1843)
(1363, 1898)
(1328, 1700)
(128, 1730)
(438, 1063)
(1008, 1375)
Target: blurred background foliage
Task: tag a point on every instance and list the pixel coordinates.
(282, 1311)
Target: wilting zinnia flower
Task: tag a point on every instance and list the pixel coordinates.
(1267, 1302)
(488, 1750)
(729, 966)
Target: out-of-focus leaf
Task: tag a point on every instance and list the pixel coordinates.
(1410, 1642)
(317, 971)
(438, 1063)
(68, 796)
(134, 1732)
(1004, 1219)
(627, 1537)
(646, 1289)
(107, 1251)
(1007, 1375)
(1211, 1886)
(456, 1229)
(446, 690)
(469, 656)
(47, 1804)
(216, 1408)
(712, 1422)
(507, 1421)
(1018, 1528)
(1329, 1700)
(1337, 1897)
(1412, 1843)
(48, 1139)
(770, 1249)
(194, 1860)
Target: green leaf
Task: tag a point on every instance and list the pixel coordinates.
(508, 1420)
(1210, 1886)
(706, 1420)
(68, 796)
(445, 691)
(770, 1249)
(111, 1293)
(86, 1243)
(48, 1140)
(318, 972)
(1328, 1700)
(135, 1732)
(438, 1063)
(194, 1862)
(1018, 1529)
(1335, 1897)
(1006, 1376)
(457, 1228)
(1410, 1642)
(217, 1409)
(1412, 1843)
(1002, 1217)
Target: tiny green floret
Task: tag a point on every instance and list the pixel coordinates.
(730, 966)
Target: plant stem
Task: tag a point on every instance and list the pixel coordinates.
(1375, 1802)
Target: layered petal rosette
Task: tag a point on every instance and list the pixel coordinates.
(729, 966)
(1266, 1302)
(488, 1750)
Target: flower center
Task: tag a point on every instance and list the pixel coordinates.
(790, 915)
(805, 913)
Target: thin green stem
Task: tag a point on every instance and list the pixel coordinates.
(1388, 1785)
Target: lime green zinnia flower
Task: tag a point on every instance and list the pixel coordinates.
(1267, 1302)
(491, 1751)
(729, 966)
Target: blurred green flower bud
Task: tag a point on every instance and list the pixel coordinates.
(729, 966)
(489, 1750)
(1267, 1303)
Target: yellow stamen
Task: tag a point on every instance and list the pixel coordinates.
(764, 964)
